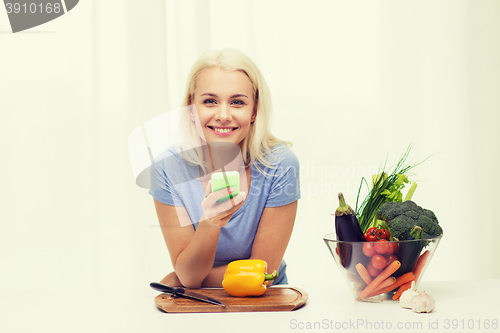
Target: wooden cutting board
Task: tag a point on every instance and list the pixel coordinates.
(275, 299)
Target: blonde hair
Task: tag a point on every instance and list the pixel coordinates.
(259, 142)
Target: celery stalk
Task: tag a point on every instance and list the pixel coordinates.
(411, 191)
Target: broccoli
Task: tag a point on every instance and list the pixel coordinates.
(407, 220)
(400, 226)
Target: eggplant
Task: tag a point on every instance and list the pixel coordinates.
(408, 252)
(348, 230)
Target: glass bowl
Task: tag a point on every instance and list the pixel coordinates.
(348, 255)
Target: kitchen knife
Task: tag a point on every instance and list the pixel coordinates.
(183, 293)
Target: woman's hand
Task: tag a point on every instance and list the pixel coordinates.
(171, 280)
(218, 214)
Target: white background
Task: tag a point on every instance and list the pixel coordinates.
(353, 82)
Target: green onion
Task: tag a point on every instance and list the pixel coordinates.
(365, 213)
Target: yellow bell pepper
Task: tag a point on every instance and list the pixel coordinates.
(247, 278)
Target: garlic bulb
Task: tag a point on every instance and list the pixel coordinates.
(423, 302)
(405, 300)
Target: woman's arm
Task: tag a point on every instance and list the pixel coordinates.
(273, 235)
(275, 221)
(192, 252)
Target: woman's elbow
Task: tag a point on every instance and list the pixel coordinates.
(190, 281)
(174, 280)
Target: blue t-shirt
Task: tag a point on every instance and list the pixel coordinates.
(175, 184)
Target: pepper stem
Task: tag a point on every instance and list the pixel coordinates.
(271, 276)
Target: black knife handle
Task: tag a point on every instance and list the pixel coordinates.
(166, 289)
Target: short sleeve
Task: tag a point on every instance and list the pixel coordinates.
(161, 186)
(285, 183)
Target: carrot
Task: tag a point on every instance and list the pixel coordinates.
(394, 266)
(387, 282)
(363, 272)
(424, 255)
(383, 285)
(407, 277)
(419, 266)
(402, 289)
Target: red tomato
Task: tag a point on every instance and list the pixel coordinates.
(369, 249)
(393, 247)
(391, 258)
(370, 238)
(382, 246)
(378, 261)
(351, 276)
(372, 270)
(371, 234)
(383, 234)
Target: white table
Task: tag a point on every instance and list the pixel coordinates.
(461, 306)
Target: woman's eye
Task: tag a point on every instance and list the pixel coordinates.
(209, 101)
(238, 102)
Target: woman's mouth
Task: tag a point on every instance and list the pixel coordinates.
(222, 131)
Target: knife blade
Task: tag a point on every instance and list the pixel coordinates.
(183, 293)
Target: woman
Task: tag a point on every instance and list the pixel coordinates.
(231, 104)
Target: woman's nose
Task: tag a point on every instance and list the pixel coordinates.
(224, 113)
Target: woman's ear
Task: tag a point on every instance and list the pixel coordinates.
(192, 109)
(253, 117)
(255, 107)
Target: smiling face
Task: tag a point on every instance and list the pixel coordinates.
(225, 103)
